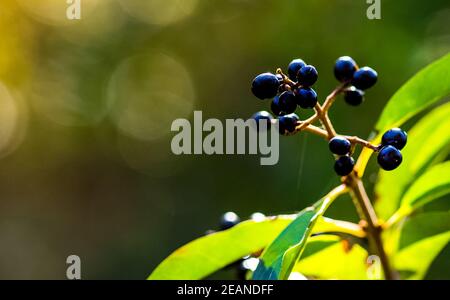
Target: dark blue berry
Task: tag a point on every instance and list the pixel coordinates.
(287, 102)
(353, 96)
(365, 78)
(262, 116)
(275, 107)
(389, 158)
(340, 145)
(228, 220)
(307, 76)
(288, 123)
(294, 67)
(344, 165)
(395, 137)
(265, 86)
(344, 68)
(306, 97)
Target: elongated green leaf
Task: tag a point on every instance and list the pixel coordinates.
(210, 253)
(430, 186)
(414, 261)
(423, 225)
(424, 89)
(421, 238)
(334, 260)
(413, 228)
(280, 256)
(427, 87)
(428, 143)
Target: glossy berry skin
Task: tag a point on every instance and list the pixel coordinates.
(275, 107)
(306, 97)
(395, 137)
(389, 158)
(344, 165)
(294, 67)
(265, 86)
(228, 220)
(263, 116)
(340, 145)
(287, 102)
(307, 76)
(353, 96)
(344, 68)
(365, 78)
(288, 123)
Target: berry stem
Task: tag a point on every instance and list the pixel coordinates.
(367, 213)
(332, 97)
(323, 117)
(316, 130)
(286, 78)
(358, 140)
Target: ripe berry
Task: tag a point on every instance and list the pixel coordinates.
(340, 145)
(229, 220)
(344, 68)
(307, 75)
(353, 96)
(288, 123)
(294, 67)
(389, 158)
(365, 78)
(344, 165)
(395, 137)
(306, 97)
(262, 116)
(287, 102)
(265, 86)
(275, 107)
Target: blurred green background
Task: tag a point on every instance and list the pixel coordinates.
(86, 108)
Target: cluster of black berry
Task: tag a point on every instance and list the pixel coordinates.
(295, 89)
(249, 262)
(287, 93)
(390, 157)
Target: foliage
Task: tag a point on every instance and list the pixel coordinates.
(297, 243)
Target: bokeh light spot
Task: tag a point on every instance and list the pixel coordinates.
(159, 12)
(149, 92)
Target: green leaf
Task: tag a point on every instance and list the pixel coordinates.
(420, 240)
(213, 252)
(333, 261)
(427, 87)
(424, 89)
(415, 260)
(210, 253)
(428, 143)
(424, 225)
(279, 258)
(432, 185)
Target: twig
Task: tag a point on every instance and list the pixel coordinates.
(332, 97)
(358, 140)
(325, 121)
(367, 213)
